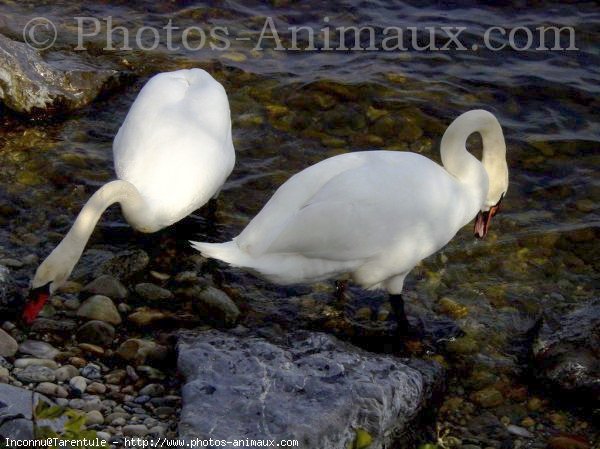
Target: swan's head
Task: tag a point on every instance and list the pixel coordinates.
(50, 275)
(494, 161)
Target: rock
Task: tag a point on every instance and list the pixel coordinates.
(78, 384)
(567, 442)
(15, 412)
(106, 285)
(96, 388)
(35, 374)
(216, 306)
(519, 431)
(25, 362)
(101, 308)
(94, 417)
(89, 348)
(144, 316)
(34, 86)
(152, 292)
(140, 351)
(116, 377)
(152, 390)
(135, 430)
(65, 373)
(125, 264)
(91, 371)
(96, 332)
(315, 389)
(62, 326)
(488, 397)
(566, 353)
(50, 389)
(151, 373)
(4, 375)
(8, 345)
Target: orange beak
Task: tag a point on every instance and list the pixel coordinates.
(35, 303)
(483, 219)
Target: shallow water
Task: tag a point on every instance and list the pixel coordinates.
(292, 109)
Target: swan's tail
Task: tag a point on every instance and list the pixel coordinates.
(228, 252)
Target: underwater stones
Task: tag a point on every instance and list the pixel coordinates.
(101, 308)
(152, 292)
(140, 351)
(35, 374)
(215, 306)
(145, 316)
(31, 85)
(39, 349)
(96, 332)
(125, 264)
(8, 345)
(488, 397)
(106, 285)
(315, 388)
(566, 352)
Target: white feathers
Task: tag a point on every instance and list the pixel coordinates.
(373, 215)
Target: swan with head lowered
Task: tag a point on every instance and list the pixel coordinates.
(172, 154)
(373, 215)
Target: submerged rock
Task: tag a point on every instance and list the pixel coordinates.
(107, 286)
(315, 389)
(31, 85)
(8, 345)
(216, 307)
(100, 308)
(567, 353)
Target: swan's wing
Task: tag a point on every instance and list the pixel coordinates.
(361, 212)
(292, 196)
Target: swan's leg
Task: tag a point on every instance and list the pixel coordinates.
(340, 291)
(402, 325)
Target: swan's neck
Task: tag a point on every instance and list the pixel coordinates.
(64, 257)
(478, 177)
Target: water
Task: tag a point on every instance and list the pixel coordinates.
(292, 109)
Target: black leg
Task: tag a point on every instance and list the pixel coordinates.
(340, 291)
(402, 326)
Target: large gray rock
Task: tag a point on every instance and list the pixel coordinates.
(567, 352)
(16, 413)
(315, 389)
(10, 300)
(32, 85)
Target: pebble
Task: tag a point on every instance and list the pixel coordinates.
(96, 332)
(107, 285)
(99, 307)
(91, 349)
(104, 436)
(142, 399)
(91, 371)
(119, 422)
(115, 377)
(66, 372)
(488, 397)
(152, 292)
(77, 362)
(4, 363)
(216, 306)
(94, 417)
(140, 351)
(151, 373)
(4, 375)
(157, 430)
(145, 317)
(27, 361)
(534, 404)
(72, 303)
(152, 390)
(566, 442)
(137, 430)
(11, 263)
(39, 349)
(78, 384)
(111, 418)
(35, 374)
(87, 404)
(8, 345)
(519, 431)
(50, 389)
(96, 388)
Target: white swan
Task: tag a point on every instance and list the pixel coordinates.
(373, 215)
(172, 155)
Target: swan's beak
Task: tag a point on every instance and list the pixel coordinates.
(35, 303)
(483, 219)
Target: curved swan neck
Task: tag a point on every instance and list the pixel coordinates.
(462, 164)
(67, 253)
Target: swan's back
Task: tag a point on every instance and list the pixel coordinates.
(175, 144)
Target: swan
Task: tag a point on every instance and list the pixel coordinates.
(172, 154)
(371, 216)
